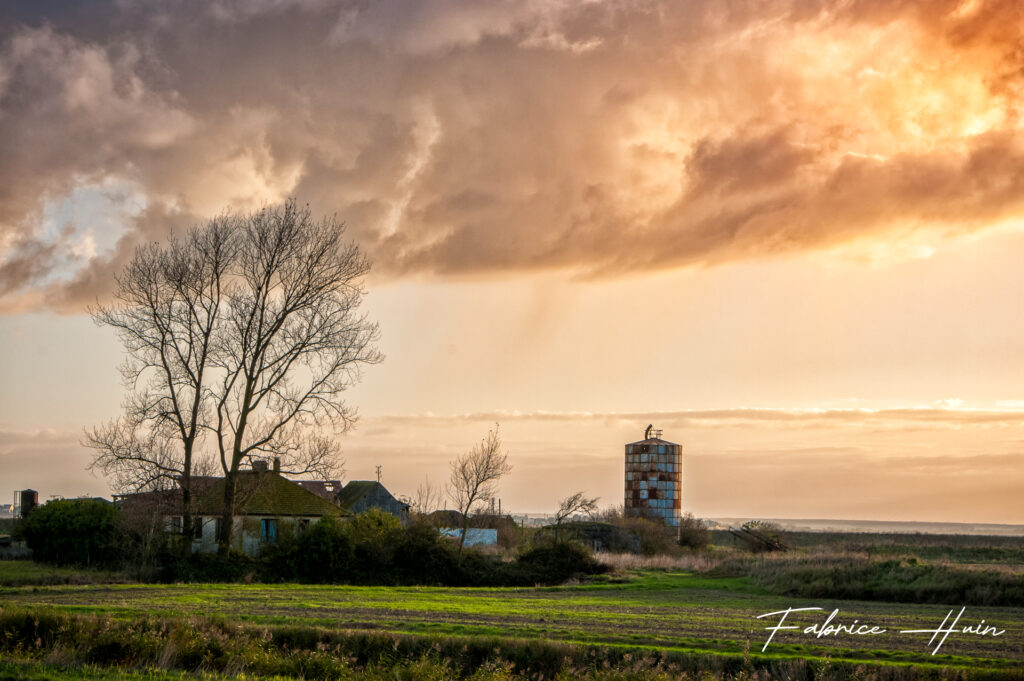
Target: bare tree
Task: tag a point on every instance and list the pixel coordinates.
(241, 337)
(168, 301)
(576, 503)
(475, 475)
(571, 505)
(291, 342)
(428, 498)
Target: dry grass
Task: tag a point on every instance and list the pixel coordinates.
(847, 574)
(697, 562)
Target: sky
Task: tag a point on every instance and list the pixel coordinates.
(786, 232)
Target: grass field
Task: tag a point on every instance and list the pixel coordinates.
(654, 618)
(654, 611)
(27, 573)
(947, 548)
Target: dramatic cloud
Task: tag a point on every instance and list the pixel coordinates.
(458, 137)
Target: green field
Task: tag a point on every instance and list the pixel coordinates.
(26, 573)
(653, 611)
(692, 616)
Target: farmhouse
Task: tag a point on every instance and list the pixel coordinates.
(267, 506)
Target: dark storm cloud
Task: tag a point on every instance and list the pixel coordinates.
(459, 137)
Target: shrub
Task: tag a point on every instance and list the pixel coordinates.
(761, 535)
(373, 548)
(638, 532)
(323, 553)
(653, 537)
(80, 532)
(204, 567)
(423, 556)
(693, 532)
(375, 536)
(557, 562)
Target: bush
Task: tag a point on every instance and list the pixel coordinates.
(373, 548)
(324, 553)
(762, 535)
(425, 557)
(653, 537)
(204, 567)
(80, 532)
(557, 562)
(375, 536)
(693, 533)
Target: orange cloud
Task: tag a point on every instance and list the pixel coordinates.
(461, 139)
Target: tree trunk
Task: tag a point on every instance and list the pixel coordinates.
(228, 514)
(462, 536)
(186, 512)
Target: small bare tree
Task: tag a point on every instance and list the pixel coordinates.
(574, 504)
(475, 475)
(428, 498)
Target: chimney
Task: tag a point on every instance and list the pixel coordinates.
(277, 465)
(259, 466)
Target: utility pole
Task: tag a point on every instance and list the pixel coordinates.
(378, 473)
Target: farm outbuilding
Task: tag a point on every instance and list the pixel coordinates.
(361, 495)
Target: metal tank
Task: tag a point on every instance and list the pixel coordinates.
(654, 480)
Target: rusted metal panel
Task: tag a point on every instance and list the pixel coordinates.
(653, 479)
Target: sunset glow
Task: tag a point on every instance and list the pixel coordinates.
(788, 233)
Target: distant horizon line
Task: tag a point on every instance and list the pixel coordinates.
(719, 518)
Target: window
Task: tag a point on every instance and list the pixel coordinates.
(268, 530)
(303, 524)
(197, 528)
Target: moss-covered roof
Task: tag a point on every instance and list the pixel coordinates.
(264, 493)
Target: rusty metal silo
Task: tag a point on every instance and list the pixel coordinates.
(654, 478)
